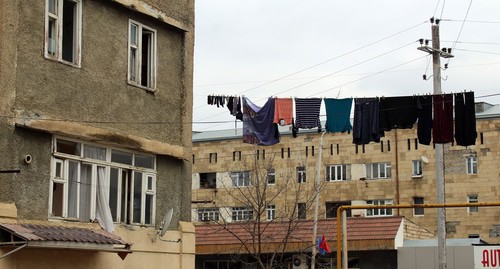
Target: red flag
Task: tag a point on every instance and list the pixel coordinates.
(323, 245)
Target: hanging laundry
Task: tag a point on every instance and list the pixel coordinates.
(258, 126)
(465, 119)
(307, 114)
(283, 111)
(397, 112)
(424, 119)
(338, 113)
(366, 121)
(442, 127)
(234, 107)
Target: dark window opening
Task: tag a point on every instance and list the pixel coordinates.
(208, 180)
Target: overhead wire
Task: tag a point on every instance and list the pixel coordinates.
(331, 59)
(461, 29)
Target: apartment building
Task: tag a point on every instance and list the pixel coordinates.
(95, 152)
(398, 170)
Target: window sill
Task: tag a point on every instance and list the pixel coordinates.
(147, 89)
(417, 176)
(54, 59)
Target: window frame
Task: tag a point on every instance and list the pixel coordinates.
(271, 176)
(301, 174)
(301, 211)
(208, 214)
(240, 179)
(418, 211)
(415, 164)
(147, 194)
(134, 76)
(270, 212)
(471, 165)
(239, 214)
(473, 198)
(55, 51)
(383, 166)
(378, 212)
(335, 167)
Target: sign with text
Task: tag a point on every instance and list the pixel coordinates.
(486, 257)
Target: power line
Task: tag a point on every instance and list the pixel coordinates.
(478, 51)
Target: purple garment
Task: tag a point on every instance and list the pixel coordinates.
(442, 127)
(258, 126)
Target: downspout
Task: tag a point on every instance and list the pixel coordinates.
(397, 169)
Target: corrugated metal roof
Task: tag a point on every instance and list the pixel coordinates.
(31, 232)
(380, 228)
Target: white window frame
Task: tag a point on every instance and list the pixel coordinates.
(271, 174)
(471, 163)
(54, 32)
(376, 212)
(60, 166)
(240, 179)
(208, 214)
(378, 170)
(416, 168)
(336, 172)
(134, 70)
(415, 210)
(241, 213)
(473, 198)
(270, 212)
(301, 174)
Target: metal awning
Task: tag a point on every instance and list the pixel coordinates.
(60, 237)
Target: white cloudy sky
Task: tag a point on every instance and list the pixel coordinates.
(331, 48)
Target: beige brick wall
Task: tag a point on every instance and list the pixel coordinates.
(398, 148)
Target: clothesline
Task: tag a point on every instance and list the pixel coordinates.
(372, 116)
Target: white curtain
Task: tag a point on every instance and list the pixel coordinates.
(72, 189)
(103, 212)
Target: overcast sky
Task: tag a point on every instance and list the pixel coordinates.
(338, 49)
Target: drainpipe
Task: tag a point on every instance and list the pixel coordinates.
(397, 169)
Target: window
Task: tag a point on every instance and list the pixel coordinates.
(379, 211)
(301, 174)
(242, 213)
(416, 170)
(473, 198)
(236, 155)
(418, 211)
(472, 165)
(378, 170)
(63, 23)
(83, 174)
(301, 211)
(271, 177)
(142, 55)
(240, 179)
(208, 180)
(271, 212)
(212, 157)
(331, 209)
(336, 172)
(208, 214)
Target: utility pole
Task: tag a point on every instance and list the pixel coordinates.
(316, 202)
(437, 53)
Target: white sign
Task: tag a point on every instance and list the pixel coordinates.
(486, 257)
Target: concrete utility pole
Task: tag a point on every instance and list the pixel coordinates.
(316, 202)
(437, 53)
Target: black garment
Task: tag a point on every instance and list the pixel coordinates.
(366, 126)
(398, 112)
(465, 119)
(424, 119)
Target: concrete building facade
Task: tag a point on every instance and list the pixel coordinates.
(398, 170)
(95, 97)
